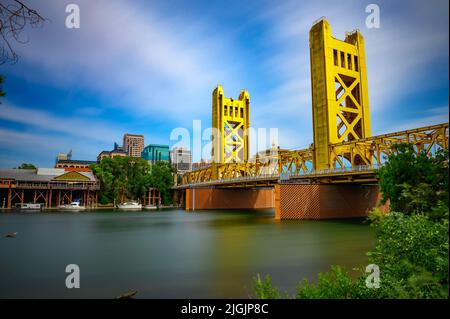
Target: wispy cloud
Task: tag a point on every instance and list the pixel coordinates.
(399, 56)
(80, 127)
(138, 60)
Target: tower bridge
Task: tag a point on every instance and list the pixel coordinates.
(336, 176)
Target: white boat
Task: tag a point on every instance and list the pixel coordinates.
(28, 206)
(150, 207)
(129, 206)
(72, 206)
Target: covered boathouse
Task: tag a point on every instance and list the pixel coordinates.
(50, 186)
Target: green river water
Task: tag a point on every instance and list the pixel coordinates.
(170, 253)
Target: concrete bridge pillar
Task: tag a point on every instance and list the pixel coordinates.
(229, 198)
(325, 201)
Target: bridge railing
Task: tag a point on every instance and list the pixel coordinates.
(287, 176)
(331, 171)
(237, 179)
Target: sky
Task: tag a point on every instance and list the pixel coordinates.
(149, 67)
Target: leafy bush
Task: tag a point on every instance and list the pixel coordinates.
(264, 288)
(335, 284)
(412, 253)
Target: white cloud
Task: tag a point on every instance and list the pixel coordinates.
(137, 60)
(73, 126)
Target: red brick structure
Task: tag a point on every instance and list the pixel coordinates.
(321, 201)
(229, 198)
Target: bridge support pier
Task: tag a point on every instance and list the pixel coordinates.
(325, 201)
(228, 198)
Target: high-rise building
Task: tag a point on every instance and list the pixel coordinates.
(133, 144)
(156, 153)
(181, 159)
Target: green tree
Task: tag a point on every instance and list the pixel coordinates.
(26, 166)
(414, 183)
(162, 180)
(122, 178)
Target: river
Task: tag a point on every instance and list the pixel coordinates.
(170, 253)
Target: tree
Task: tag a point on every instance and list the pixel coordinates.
(26, 166)
(14, 17)
(415, 183)
(127, 177)
(162, 180)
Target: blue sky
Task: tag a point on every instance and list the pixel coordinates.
(147, 67)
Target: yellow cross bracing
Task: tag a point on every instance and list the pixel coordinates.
(295, 162)
(341, 121)
(230, 121)
(372, 151)
(339, 90)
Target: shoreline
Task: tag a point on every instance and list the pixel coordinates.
(9, 210)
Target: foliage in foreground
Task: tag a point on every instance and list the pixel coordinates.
(411, 248)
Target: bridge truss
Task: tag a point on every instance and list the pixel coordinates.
(346, 159)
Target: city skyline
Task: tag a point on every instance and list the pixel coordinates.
(64, 93)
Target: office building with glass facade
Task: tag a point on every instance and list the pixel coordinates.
(155, 153)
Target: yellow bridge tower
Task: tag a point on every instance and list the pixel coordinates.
(230, 123)
(340, 100)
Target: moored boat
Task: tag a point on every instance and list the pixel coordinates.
(28, 206)
(72, 206)
(129, 206)
(150, 207)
